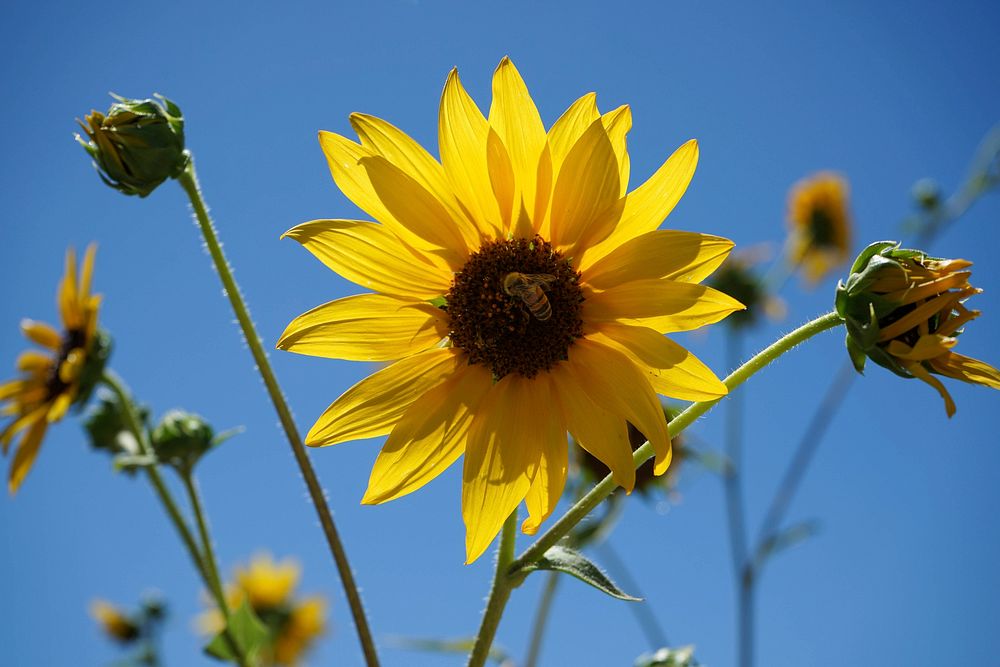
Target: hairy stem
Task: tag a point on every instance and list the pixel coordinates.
(499, 593)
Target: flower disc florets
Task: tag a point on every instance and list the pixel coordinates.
(504, 331)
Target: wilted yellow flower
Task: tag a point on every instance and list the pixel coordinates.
(269, 588)
(53, 380)
(116, 624)
(905, 310)
(820, 224)
(520, 294)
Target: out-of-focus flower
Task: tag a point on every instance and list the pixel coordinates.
(819, 224)
(904, 310)
(520, 294)
(137, 145)
(269, 588)
(62, 376)
(115, 623)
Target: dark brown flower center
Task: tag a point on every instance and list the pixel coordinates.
(54, 385)
(515, 307)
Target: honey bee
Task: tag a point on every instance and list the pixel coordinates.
(528, 287)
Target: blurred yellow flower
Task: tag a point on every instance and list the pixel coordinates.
(115, 623)
(520, 295)
(905, 310)
(51, 381)
(269, 588)
(820, 224)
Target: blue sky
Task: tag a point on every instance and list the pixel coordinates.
(903, 570)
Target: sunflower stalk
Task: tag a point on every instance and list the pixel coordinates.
(505, 580)
(189, 181)
(134, 424)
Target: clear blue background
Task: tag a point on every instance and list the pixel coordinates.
(904, 570)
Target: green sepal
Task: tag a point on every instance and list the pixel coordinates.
(439, 302)
(857, 355)
(93, 367)
(572, 562)
(182, 438)
(668, 657)
(869, 252)
(246, 630)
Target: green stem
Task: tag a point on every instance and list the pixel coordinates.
(603, 489)
(499, 593)
(541, 618)
(134, 424)
(211, 564)
(189, 181)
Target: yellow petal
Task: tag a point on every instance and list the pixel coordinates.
(920, 372)
(550, 477)
(369, 255)
(649, 204)
(586, 190)
(663, 305)
(568, 129)
(502, 182)
(615, 383)
(597, 430)
(682, 256)
(366, 327)
(11, 388)
(671, 370)
(373, 406)
(516, 120)
(57, 410)
(87, 271)
(462, 135)
(417, 210)
(967, 369)
(501, 457)
(618, 123)
(33, 361)
(68, 301)
(25, 455)
(41, 334)
(21, 423)
(429, 437)
(413, 160)
(927, 347)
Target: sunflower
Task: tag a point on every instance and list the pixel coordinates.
(269, 588)
(820, 224)
(519, 294)
(58, 378)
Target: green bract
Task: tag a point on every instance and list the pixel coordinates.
(137, 145)
(181, 438)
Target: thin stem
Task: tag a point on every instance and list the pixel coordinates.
(211, 564)
(735, 514)
(189, 181)
(541, 617)
(499, 594)
(134, 424)
(647, 620)
(604, 488)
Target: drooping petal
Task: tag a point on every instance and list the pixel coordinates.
(671, 369)
(663, 305)
(662, 253)
(462, 136)
(519, 126)
(41, 334)
(603, 434)
(11, 388)
(430, 436)
(19, 424)
(366, 327)
(369, 255)
(967, 369)
(926, 347)
(586, 189)
(501, 457)
(649, 205)
(550, 477)
(24, 457)
(373, 406)
(614, 382)
(413, 160)
(920, 372)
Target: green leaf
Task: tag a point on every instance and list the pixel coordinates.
(460, 646)
(668, 657)
(791, 536)
(249, 633)
(569, 561)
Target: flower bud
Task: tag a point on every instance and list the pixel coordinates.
(181, 438)
(905, 310)
(927, 194)
(137, 145)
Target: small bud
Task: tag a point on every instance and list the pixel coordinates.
(181, 438)
(905, 311)
(137, 145)
(927, 193)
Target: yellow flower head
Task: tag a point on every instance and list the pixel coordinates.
(905, 310)
(61, 376)
(820, 224)
(115, 623)
(269, 588)
(519, 294)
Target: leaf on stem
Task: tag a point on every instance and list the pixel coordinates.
(246, 630)
(569, 561)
